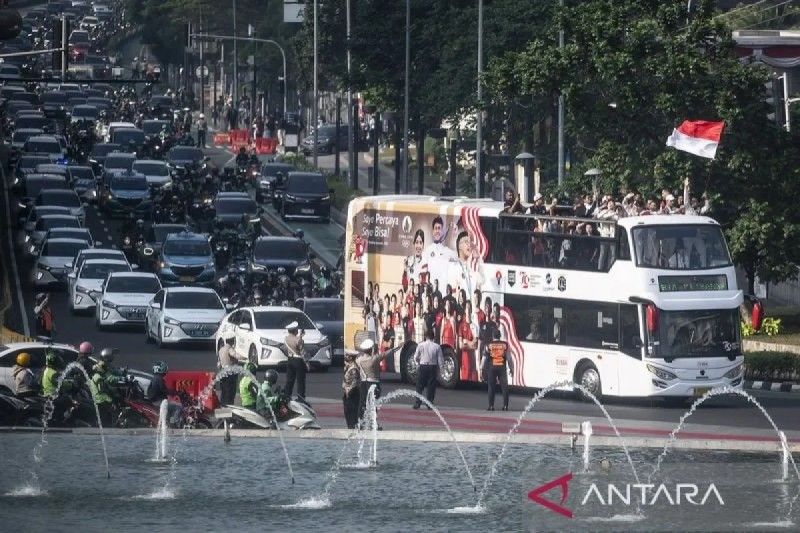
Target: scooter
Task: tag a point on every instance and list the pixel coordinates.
(295, 414)
(138, 412)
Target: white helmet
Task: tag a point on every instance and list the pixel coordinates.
(202, 115)
(366, 345)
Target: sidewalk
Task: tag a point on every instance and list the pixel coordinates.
(365, 160)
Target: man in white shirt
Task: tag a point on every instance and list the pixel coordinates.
(437, 254)
(460, 273)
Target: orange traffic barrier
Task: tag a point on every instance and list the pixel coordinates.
(193, 383)
(266, 145)
(239, 138)
(221, 139)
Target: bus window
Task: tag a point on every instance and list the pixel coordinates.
(630, 343)
(623, 248)
(590, 324)
(530, 316)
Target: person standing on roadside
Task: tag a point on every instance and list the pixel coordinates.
(369, 367)
(496, 366)
(297, 365)
(202, 128)
(429, 359)
(226, 359)
(351, 398)
(45, 326)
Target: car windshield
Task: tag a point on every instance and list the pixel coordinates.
(46, 223)
(123, 137)
(154, 128)
(137, 284)
(279, 249)
(325, 311)
(235, 206)
(193, 300)
(33, 186)
(154, 168)
(22, 136)
(308, 184)
(81, 173)
(69, 233)
(31, 122)
(30, 161)
(55, 98)
(65, 198)
(674, 247)
(85, 111)
(711, 333)
(43, 147)
(63, 249)
(281, 319)
(186, 153)
(159, 233)
(100, 271)
(181, 247)
(128, 184)
(114, 161)
(101, 150)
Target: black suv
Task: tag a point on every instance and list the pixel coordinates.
(306, 195)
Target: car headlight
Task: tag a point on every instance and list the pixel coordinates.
(21, 205)
(268, 342)
(661, 373)
(171, 321)
(734, 372)
(289, 197)
(110, 305)
(325, 198)
(126, 241)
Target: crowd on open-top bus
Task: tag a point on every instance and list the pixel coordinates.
(610, 208)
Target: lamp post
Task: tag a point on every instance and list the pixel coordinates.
(235, 63)
(479, 117)
(524, 163)
(594, 174)
(316, 94)
(561, 115)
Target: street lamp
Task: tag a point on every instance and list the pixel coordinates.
(594, 174)
(316, 94)
(405, 110)
(523, 165)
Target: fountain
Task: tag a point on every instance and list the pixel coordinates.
(162, 432)
(279, 430)
(785, 457)
(586, 431)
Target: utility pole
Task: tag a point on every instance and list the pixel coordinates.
(202, 78)
(479, 121)
(64, 47)
(235, 63)
(315, 114)
(405, 110)
(351, 153)
(561, 114)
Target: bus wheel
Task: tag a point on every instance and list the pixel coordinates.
(589, 378)
(448, 373)
(408, 367)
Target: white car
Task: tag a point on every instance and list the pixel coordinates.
(183, 314)
(125, 298)
(93, 253)
(259, 334)
(156, 172)
(84, 284)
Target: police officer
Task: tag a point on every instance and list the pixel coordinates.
(227, 359)
(202, 127)
(497, 366)
(297, 365)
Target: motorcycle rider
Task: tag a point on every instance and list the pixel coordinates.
(53, 365)
(245, 227)
(242, 158)
(227, 359)
(85, 351)
(24, 379)
(103, 392)
(267, 396)
(248, 387)
(157, 392)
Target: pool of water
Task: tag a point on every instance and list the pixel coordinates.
(245, 486)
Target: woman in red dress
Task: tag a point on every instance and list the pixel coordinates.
(449, 326)
(467, 342)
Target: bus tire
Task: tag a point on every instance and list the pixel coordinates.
(408, 367)
(449, 373)
(588, 376)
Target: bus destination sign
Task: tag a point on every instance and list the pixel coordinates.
(717, 282)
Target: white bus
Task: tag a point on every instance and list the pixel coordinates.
(646, 306)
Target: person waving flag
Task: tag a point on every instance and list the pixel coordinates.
(698, 137)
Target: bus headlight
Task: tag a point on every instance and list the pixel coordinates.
(661, 373)
(734, 372)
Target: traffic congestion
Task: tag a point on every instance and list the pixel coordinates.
(124, 224)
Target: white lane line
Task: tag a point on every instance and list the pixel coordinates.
(26, 329)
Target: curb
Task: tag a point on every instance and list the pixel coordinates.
(774, 386)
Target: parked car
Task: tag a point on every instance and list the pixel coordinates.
(327, 140)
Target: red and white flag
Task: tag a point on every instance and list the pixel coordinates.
(698, 137)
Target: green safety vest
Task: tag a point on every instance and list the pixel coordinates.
(98, 388)
(49, 379)
(246, 393)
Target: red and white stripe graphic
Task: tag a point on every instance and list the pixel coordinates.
(509, 327)
(472, 223)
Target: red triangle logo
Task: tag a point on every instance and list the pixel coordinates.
(563, 482)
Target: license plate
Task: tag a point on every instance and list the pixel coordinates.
(307, 211)
(188, 279)
(137, 315)
(700, 391)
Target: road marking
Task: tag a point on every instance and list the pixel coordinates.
(26, 329)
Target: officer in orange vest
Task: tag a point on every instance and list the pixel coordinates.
(497, 366)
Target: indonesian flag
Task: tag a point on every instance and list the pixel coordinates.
(698, 137)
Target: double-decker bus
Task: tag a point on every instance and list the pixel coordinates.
(642, 306)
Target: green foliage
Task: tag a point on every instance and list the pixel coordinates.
(769, 327)
(772, 366)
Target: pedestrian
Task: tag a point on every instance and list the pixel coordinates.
(297, 365)
(226, 361)
(45, 326)
(351, 398)
(369, 368)
(202, 128)
(429, 359)
(496, 366)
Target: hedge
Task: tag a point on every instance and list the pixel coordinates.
(771, 366)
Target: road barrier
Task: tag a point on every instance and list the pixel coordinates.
(266, 146)
(222, 139)
(193, 383)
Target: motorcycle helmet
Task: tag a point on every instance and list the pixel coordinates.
(160, 367)
(281, 271)
(202, 115)
(86, 348)
(40, 298)
(140, 223)
(250, 367)
(271, 377)
(23, 359)
(107, 354)
(53, 359)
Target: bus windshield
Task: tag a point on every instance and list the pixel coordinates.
(673, 247)
(707, 333)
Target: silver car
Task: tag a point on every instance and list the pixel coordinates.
(32, 241)
(50, 266)
(63, 198)
(156, 172)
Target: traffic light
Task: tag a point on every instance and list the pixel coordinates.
(59, 39)
(773, 90)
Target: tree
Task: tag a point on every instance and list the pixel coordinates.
(630, 72)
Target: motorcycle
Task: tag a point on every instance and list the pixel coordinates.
(290, 413)
(15, 411)
(138, 412)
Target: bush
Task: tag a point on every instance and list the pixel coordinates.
(772, 366)
(769, 327)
